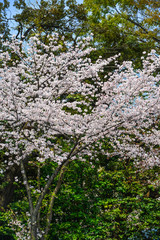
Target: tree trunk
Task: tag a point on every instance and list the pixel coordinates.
(34, 227)
(7, 192)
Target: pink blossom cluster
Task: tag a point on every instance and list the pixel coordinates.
(48, 92)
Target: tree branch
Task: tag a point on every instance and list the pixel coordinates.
(53, 196)
(53, 176)
(27, 186)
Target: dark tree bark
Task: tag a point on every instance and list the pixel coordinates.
(7, 191)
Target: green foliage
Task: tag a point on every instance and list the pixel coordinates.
(117, 203)
(6, 233)
(126, 27)
(4, 26)
(46, 17)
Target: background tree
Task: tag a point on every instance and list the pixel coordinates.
(4, 27)
(126, 27)
(46, 17)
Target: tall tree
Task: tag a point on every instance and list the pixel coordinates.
(65, 17)
(4, 27)
(128, 27)
(55, 108)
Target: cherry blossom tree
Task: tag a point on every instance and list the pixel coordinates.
(48, 94)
